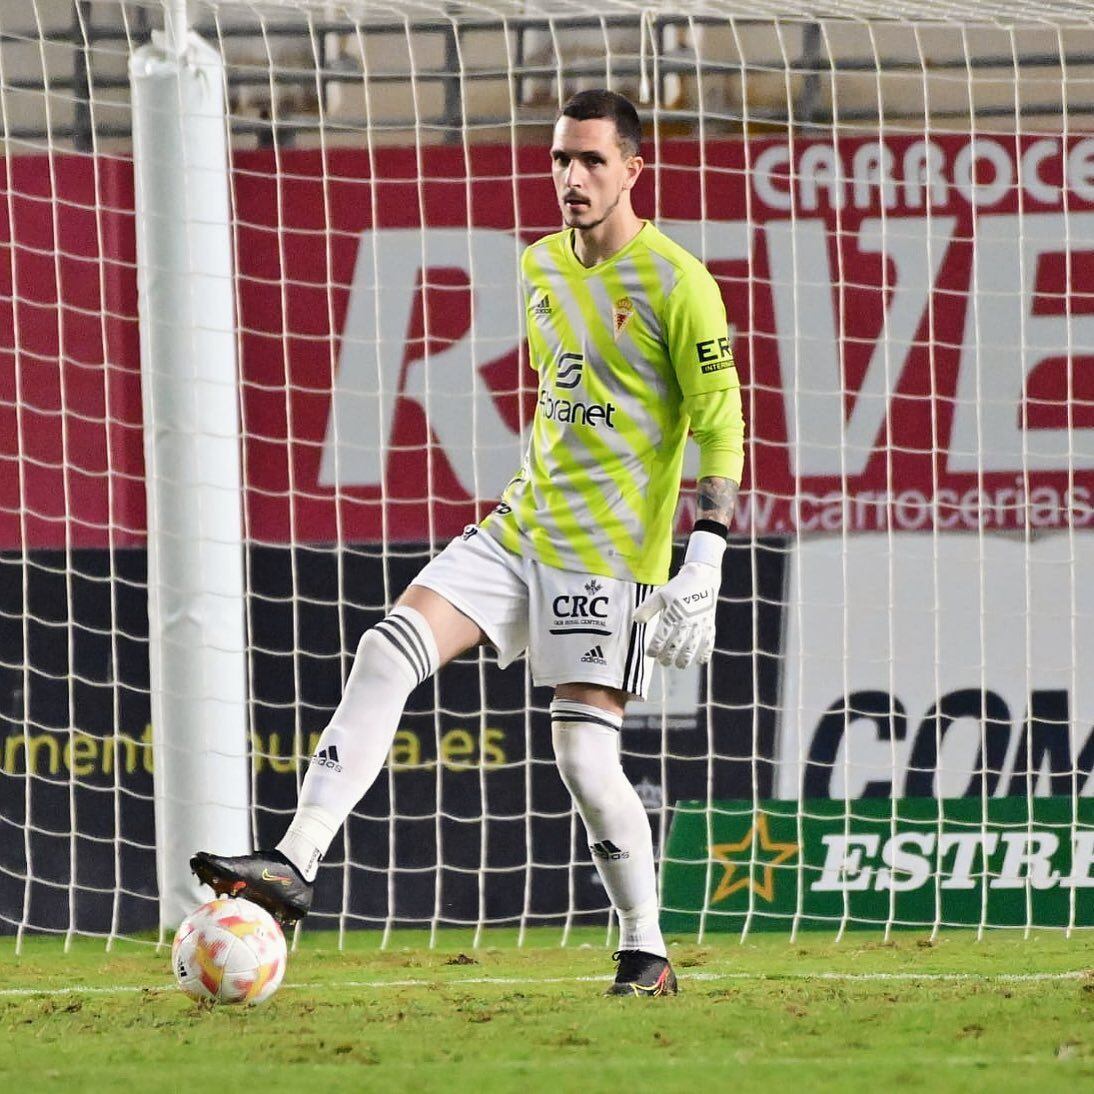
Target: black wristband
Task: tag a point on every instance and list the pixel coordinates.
(711, 526)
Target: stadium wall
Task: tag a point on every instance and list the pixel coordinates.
(939, 264)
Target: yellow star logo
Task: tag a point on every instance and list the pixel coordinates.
(730, 856)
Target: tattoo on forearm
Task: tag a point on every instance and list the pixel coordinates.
(716, 499)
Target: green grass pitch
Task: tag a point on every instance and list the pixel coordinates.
(1003, 1013)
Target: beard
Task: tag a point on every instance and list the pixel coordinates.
(573, 220)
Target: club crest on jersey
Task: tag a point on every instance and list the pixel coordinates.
(622, 310)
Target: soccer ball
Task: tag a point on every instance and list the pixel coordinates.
(229, 951)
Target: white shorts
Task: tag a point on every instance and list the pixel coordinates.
(576, 628)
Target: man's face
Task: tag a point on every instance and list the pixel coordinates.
(591, 172)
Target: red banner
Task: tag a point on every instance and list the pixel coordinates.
(910, 317)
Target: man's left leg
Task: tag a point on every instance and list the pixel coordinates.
(585, 725)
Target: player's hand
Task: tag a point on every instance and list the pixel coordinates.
(687, 603)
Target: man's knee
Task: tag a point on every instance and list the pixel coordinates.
(577, 764)
(401, 641)
(451, 630)
(586, 745)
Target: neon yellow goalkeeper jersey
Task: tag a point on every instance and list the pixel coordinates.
(631, 354)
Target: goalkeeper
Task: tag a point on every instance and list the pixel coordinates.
(628, 334)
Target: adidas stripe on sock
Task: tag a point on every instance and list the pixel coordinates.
(407, 630)
(569, 712)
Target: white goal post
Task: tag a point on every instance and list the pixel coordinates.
(260, 358)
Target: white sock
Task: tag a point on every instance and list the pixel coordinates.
(393, 658)
(586, 742)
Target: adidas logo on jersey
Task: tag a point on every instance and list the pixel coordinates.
(595, 656)
(327, 757)
(542, 306)
(607, 850)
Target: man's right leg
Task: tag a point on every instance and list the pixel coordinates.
(423, 632)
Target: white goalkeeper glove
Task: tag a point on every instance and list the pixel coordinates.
(687, 603)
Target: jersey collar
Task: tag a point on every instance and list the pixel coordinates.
(571, 255)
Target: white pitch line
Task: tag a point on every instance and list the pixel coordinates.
(531, 981)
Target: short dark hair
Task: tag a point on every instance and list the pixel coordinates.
(601, 103)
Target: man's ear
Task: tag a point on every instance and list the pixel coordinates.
(634, 169)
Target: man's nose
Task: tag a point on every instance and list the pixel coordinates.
(574, 174)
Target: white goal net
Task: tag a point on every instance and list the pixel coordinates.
(898, 203)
